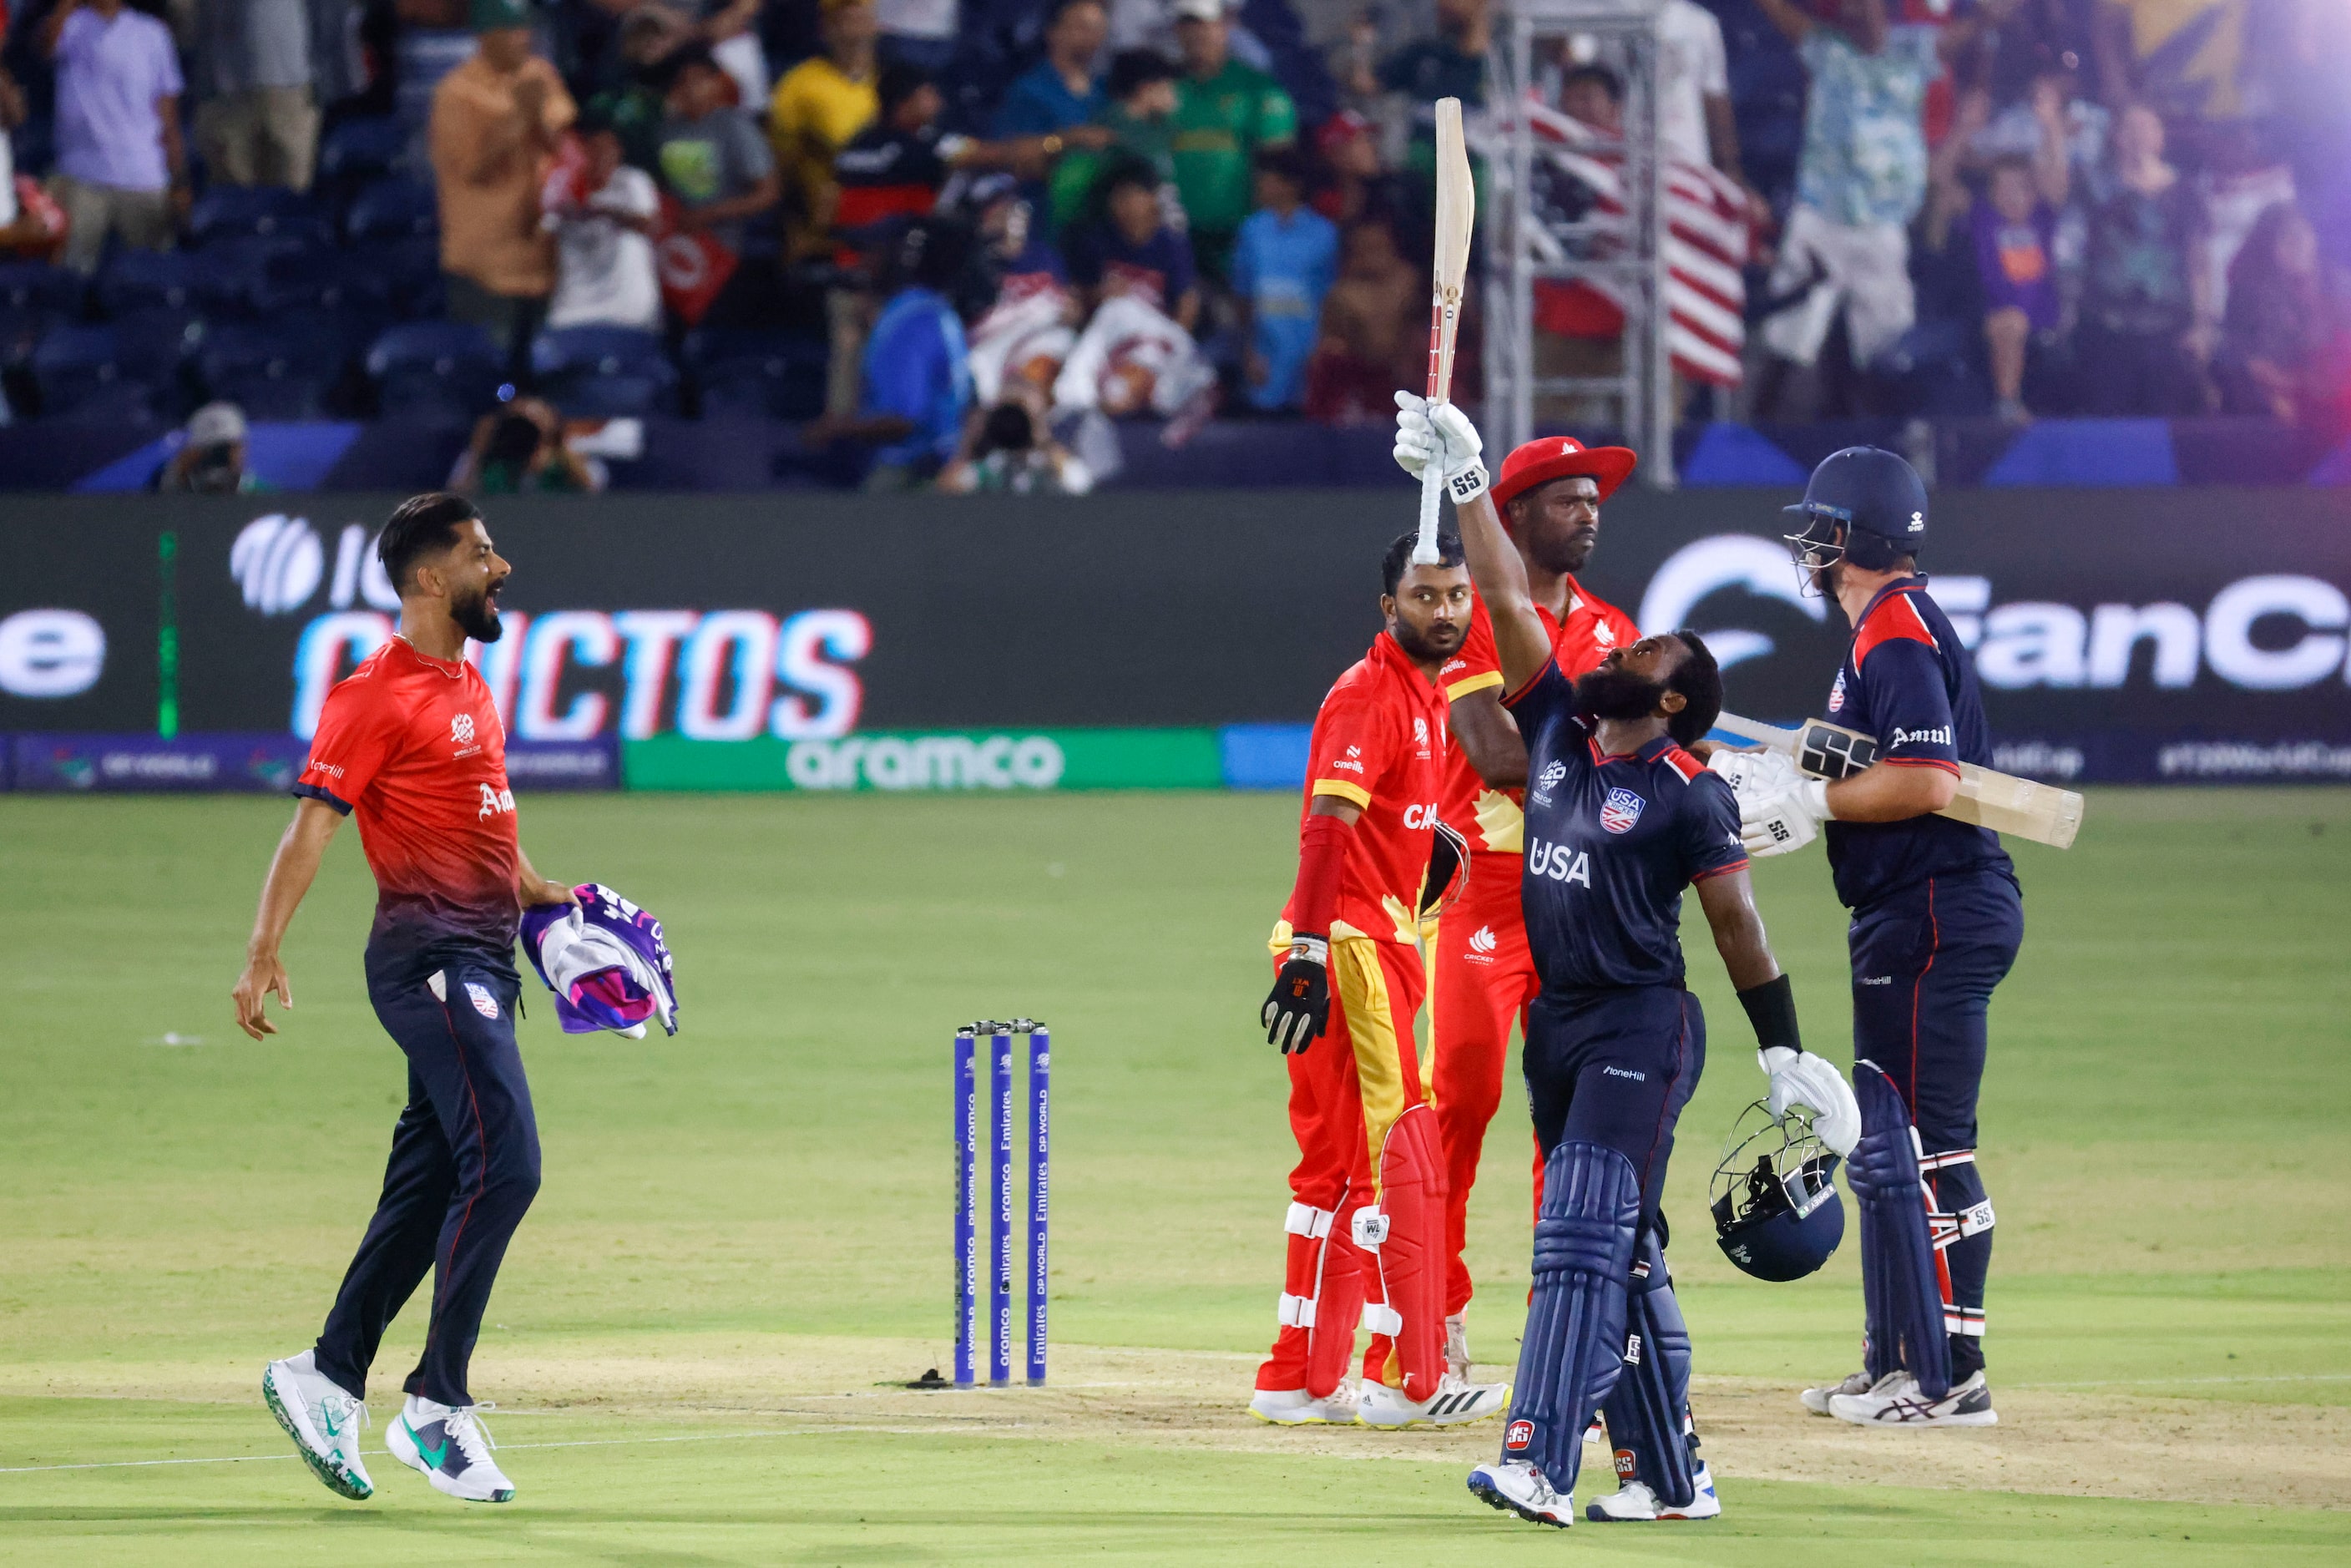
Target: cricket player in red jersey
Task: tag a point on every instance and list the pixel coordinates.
(1366, 1221)
(1481, 977)
(413, 745)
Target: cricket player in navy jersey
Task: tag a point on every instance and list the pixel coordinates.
(411, 743)
(1619, 819)
(1937, 920)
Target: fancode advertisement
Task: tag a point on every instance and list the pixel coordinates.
(1184, 639)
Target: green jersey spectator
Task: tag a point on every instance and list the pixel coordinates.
(1140, 119)
(1226, 114)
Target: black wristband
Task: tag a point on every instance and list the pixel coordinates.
(1771, 1008)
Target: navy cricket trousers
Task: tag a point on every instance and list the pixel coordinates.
(1925, 961)
(463, 1168)
(1615, 1067)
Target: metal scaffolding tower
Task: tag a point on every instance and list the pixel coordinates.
(1528, 238)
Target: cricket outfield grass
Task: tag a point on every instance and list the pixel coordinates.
(741, 1246)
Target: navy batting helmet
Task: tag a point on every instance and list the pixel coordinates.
(1863, 504)
(1776, 1210)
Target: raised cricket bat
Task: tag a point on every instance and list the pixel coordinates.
(2001, 801)
(1457, 213)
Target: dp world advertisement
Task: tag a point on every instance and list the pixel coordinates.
(1171, 641)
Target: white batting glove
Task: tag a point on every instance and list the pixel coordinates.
(1781, 821)
(1799, 1077)
(1441, 433)
(1753, 775)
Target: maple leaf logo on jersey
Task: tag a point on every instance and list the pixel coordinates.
(1603, 635)
(461, 729)
(1420, 731)
(1621, 811)
(1483, 940)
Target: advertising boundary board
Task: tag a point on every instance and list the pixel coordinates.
(2146, 635)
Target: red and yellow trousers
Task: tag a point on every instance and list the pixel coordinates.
(1481, 979)
(1365, 1224)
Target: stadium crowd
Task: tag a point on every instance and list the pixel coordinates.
(952, 232)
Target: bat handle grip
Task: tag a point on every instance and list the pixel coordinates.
(1432, 489)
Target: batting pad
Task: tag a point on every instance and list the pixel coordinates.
(1575, 1343)
(1645, 1410)
(1902, 1293)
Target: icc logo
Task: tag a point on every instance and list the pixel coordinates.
(461, 729)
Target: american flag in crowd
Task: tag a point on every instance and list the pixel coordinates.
(1705, 246)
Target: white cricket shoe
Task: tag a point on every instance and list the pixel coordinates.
(1454, 1404)
(1816, 1400)
(1895, 1401)
(323, 1421)
(1296, 1407)
(1636, 1501)
(1456, 1346)
(451, 1447)
(1517, 1487)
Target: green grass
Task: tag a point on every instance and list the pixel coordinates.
(2163, 1124)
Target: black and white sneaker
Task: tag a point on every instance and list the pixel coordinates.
(1895, 1401)
(1516, 1486)
(1816, 1400)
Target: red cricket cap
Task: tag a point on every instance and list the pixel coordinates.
(1561, 458)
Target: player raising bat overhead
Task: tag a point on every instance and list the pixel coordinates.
(1937, 920)
(1619, 819)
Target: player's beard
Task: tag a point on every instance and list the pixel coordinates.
(477, 617)
(1417, 644)
(1606, 693)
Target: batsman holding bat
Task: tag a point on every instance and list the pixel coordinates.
(1937, 920)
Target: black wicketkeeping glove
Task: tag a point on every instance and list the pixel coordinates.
(1298, 1009)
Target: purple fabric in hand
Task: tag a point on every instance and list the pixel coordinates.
(606, 961)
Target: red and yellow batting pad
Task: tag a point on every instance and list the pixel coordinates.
(1376, 987)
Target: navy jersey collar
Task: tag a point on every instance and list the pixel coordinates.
(1915, 583)
(1649, 751)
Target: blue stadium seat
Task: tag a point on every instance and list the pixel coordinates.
(773, 375)
(411, 268)
(392, 209)
(74, 366)
(22, 327)
(331, 280)
(136, 279)
(231, 211)
(357, 151)
(151, 343)
(608, 371)
(38, 284)
(435, 370)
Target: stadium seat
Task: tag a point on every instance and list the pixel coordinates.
(358, 150)
(150, 344)
(39, 285)
(232, 212)
(410, 269)
(607, 372)
(330, 280)
(75, 365)
(137, 279)
(392, 209)
(775, 375)
(282, 369)
(434, 369)
(22, 327)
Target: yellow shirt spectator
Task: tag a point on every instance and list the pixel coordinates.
(816, 109)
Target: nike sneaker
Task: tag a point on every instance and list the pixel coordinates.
(451, 1447)
(1895, 1401)
(1636, 1501)
(1454, 1404)
(1816, 1400)
(1516, 1486)
(1296, 1407)
(323, 1421)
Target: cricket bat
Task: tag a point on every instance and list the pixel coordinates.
(2005, 804)
(1456, 211)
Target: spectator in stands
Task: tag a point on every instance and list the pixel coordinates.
(632, 102)
(713, 158)
(1226, 114)
(1861, 179)
(2014, 228)
(919, 33)
(1009, 451)
(519, 451)
(729, 27)
(32, 225)
(256, 117)
(1452, 64)
(211, 460)
(604, 272)
(495, 123)
(818, 106)
(1015, 294)
(1369, 343)
(1694, 122)
(1061, 92)
(917, 368)
(895, 166)
(1359, 190)
(1140, 116)
(1284, 260)
(2280, 354)
(2136, 342)
(1132, 251)
(122, 168)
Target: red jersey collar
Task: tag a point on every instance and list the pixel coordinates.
(1386, 650)
(1915, 583)
(455, 671)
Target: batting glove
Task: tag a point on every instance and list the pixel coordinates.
(1441, 433)
(1753, 774)
(1298, 1010)
(1799, 1077)
(1784, 819)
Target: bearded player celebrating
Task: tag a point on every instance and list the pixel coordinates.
(1619, 819)
(1482, 979)
(1366, 1221)
(411, 743)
